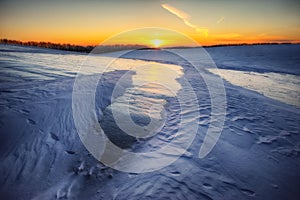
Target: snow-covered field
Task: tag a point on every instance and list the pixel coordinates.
(257, 156)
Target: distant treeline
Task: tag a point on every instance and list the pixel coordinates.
(71, 47)
(244, 44)
(228, 45)
(107, 48)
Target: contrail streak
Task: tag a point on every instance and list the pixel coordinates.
(185, 18)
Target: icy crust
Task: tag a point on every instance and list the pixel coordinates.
(42, 157)
(278, 86)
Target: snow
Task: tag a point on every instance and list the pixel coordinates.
(42, 155)
(282, 87)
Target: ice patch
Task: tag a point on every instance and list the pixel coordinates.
(278, 86)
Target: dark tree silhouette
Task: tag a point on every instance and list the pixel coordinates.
(107, 48)
(71, 47)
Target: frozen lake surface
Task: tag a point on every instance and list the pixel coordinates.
(256, 157)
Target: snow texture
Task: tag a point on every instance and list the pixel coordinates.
(256, 157)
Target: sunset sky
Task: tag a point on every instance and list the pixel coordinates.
(207, 21)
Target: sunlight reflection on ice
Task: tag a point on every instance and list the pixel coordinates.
(281, 87)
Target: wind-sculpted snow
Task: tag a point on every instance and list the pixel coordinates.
(42, 156)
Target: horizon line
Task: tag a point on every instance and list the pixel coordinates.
(55, 45)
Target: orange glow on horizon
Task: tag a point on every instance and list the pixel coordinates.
(217, 39)
(95, 22)
(156, 43)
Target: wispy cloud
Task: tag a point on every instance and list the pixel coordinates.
(185, 18)
(220, 20)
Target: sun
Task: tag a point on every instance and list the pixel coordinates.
(156, 43)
